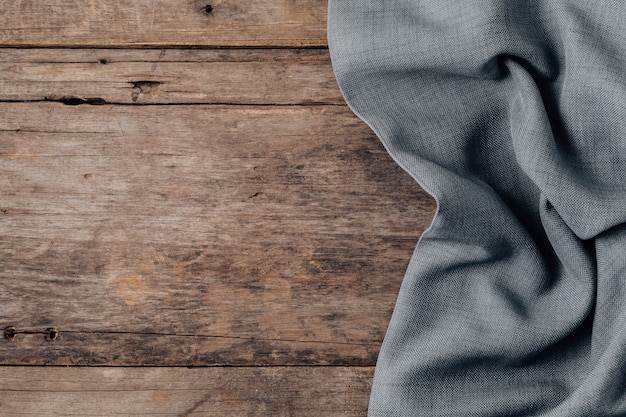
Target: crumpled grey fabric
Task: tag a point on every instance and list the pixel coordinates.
(512, 114)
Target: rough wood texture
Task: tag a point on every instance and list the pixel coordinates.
(190, 235)
(168, 76)
(183, 185)
(293, 23)
(220, 392)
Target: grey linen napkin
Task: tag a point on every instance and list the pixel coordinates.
(512, 114)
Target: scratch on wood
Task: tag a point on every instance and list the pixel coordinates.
(152, 16)
(196, 405)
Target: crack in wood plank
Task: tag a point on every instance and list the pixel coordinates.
(96, 101)
(209, 336)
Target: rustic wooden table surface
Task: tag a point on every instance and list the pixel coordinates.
(186, 200)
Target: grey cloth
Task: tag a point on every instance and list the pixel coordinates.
(512, 114)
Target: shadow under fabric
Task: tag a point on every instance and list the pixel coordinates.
(512, 114)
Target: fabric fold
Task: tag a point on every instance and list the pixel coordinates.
(513, 116)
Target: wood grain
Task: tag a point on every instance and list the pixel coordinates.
(181, 184)
(168, 76)
(200, 235)
(126, 23)
(240, 392)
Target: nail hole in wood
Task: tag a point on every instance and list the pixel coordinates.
(10, 333)
(208, 9)
(102, 61)
(52, 334)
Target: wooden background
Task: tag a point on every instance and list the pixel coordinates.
(187, 200)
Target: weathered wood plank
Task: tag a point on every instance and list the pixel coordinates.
(151, 23)
(193, 235)
(168, 76)
(132, 348)
(240, 392)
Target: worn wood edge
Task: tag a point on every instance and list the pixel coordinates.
(275, 391)
(284, 23)
(254, 77)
